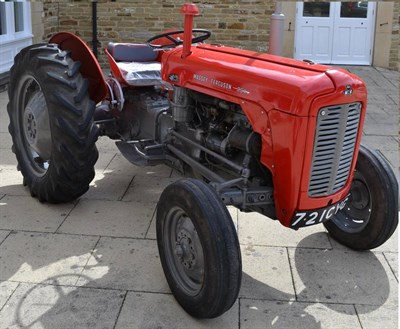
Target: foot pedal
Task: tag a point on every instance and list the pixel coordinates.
(150, 155)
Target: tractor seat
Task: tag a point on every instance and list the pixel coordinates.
(137, 63)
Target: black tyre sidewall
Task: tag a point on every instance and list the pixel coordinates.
(221, 248)
(383, 188)
(72, 159)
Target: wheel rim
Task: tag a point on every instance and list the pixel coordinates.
(355, 216)
(183, 251)
(35, 126)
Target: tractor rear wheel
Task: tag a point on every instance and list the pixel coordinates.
(371, 216)
(51, 123)
(199, 248)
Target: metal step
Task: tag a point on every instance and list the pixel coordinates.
(150, 155)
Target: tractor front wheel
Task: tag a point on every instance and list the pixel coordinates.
(51, 123)
(371, 216)
(199, 248)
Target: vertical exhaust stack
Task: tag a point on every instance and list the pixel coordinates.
(189, 10)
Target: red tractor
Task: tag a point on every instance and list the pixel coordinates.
(265, 134)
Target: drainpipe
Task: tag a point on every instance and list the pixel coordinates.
(276, 31)
(94, 27)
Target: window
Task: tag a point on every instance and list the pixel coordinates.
(3, 27)
(15, 20)
(316, 9)
(354, 9)
(15, 30)
(18, 16)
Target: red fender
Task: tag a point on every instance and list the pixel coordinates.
(90, 68)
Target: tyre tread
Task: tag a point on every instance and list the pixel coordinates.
(71, 111)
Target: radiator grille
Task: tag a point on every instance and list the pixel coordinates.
(335, 139)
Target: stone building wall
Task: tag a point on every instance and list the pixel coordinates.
(243, 23)
(238, 23)
(37, 21)
(394, 55)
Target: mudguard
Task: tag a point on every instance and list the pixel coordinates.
(90, 67)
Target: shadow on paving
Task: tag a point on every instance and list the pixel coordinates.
(320, 276)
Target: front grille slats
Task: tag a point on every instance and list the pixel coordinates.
(334, 143)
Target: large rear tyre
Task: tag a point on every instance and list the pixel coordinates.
(51, 123)
(371, 216)
(199, 248)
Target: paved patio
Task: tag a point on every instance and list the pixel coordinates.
(94, 263)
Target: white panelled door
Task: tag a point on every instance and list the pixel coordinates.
(335, 32)
(314, 31)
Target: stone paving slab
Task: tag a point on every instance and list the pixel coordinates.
(120, 164)
(394, 99)
(266, 273)
(3, 233)
(348, 277)
(151, 233)
(5, 141)
(386, 316)
(291, 279)
(388, 149)
(8, 160)
(108, 186)
(109, 218)
(127, 264)
(6, 290)
(50, 307)
(393, 261)
(103, 161)
(391, 245)
(284, 315)
(11, 183)
(33, 216)
(4, 120)
(255, 229)
(154, 186)
(43, 257)
(382, 129)
(383, 117)
(106, 145)
(149, 311)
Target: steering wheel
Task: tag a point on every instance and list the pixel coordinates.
(204, 34)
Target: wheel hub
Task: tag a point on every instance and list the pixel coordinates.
(360, 195)
(36, 126)
(355, 216)
(184, 250)
(30, 127)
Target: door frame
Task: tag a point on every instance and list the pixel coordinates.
(334, 11)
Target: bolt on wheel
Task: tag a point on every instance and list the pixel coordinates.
(184, 251)
(35, 125)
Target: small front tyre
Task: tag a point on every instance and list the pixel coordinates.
(371, 216)
(199, 248)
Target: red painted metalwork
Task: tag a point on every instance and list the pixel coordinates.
(90, 67)
(189, 10)
(280, 97)
(114, 68)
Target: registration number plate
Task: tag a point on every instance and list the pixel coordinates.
(316, 216)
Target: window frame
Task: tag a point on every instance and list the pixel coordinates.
(11, 36)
